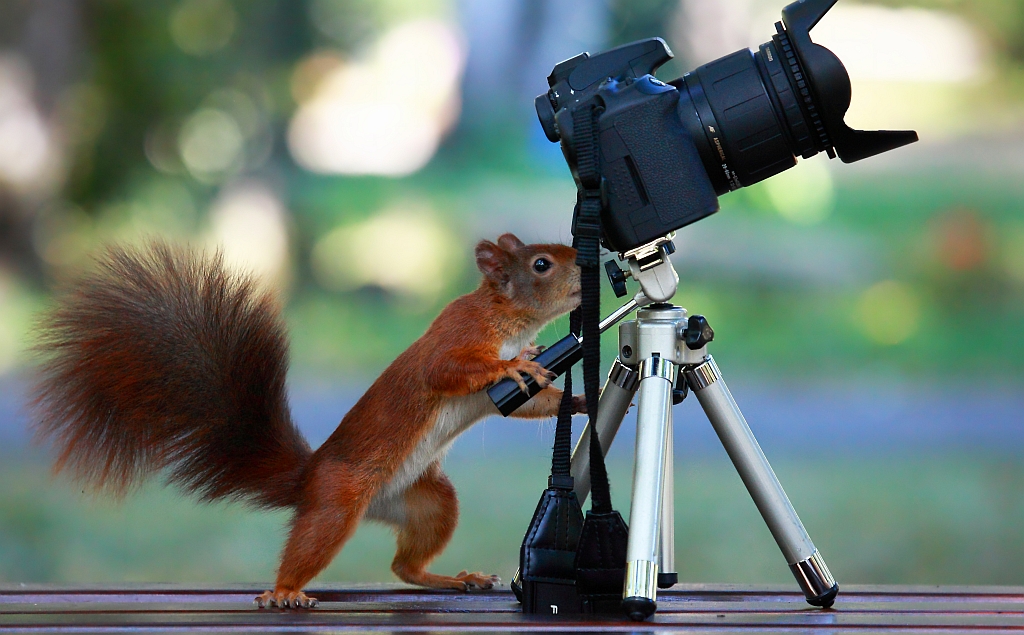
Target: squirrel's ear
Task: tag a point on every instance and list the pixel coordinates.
(491, 260)
(509, 242)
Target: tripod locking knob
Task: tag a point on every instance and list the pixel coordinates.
(679, 392)
(617, 277)
(698, 332)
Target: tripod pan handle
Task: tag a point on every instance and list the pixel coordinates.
(558, 358)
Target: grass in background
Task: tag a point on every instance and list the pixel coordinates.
(943, 519)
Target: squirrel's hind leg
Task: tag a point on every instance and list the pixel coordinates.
(331, 508)
(430, 513)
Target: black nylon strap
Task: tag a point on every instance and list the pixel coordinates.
(587, 228)
(600, 495)
(562, 454)
(587, 232)
(588, 158)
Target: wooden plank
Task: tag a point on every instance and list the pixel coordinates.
(397, 608)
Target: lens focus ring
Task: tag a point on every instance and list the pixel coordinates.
(796, 74)
(786, 99)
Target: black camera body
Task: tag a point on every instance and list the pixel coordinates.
(667, 150)
(653, 180)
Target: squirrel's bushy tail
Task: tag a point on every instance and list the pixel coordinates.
(162, 359)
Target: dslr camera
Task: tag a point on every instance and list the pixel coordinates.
(666, 151)
(648, 158)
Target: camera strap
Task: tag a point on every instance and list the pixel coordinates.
(568, 563)
(587, 240)
(601, 556)
(548, 552)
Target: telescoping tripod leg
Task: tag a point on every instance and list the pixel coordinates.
(616, 397)
(807, 565)
(667, 576)
(654, 420)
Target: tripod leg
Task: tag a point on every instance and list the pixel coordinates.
(814, 578)
(667, 575)
(654, 418)
(616, 396)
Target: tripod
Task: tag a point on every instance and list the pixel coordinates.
(662, 354)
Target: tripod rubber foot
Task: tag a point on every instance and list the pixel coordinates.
(826, 599)
(667, 580)
(816, 581)
(639, 608)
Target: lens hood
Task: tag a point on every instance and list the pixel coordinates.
(829, 86)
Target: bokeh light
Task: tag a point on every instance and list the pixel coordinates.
(25, 140)
(906, 44)
(362, 254)
(385, 113)
(201, 27)
(889, 312)
(960, 239)
(248, 223)
(803, 195)
(910, 67)
(211, 144)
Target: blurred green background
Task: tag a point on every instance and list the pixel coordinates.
(350, 153)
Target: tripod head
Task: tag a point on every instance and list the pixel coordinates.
(651, 267)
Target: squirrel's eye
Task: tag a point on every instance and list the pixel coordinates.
(541, 265)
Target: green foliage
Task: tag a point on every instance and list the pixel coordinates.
(152, 66)
(147, 83)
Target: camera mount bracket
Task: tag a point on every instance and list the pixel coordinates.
(650, 266)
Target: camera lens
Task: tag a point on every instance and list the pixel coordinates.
(751, 114)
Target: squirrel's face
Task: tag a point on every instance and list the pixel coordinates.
(542, 279)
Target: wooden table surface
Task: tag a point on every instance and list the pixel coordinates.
(397, 608)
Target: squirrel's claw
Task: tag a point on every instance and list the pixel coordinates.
(478, 580)
(541, 375)
(529, 352)
(514, 374)
(285, 599)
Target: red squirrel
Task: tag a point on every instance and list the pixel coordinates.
(162, 359)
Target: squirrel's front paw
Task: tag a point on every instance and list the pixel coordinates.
(541, 375)
(579, 404)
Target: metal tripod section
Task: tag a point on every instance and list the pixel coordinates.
(653, 354)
